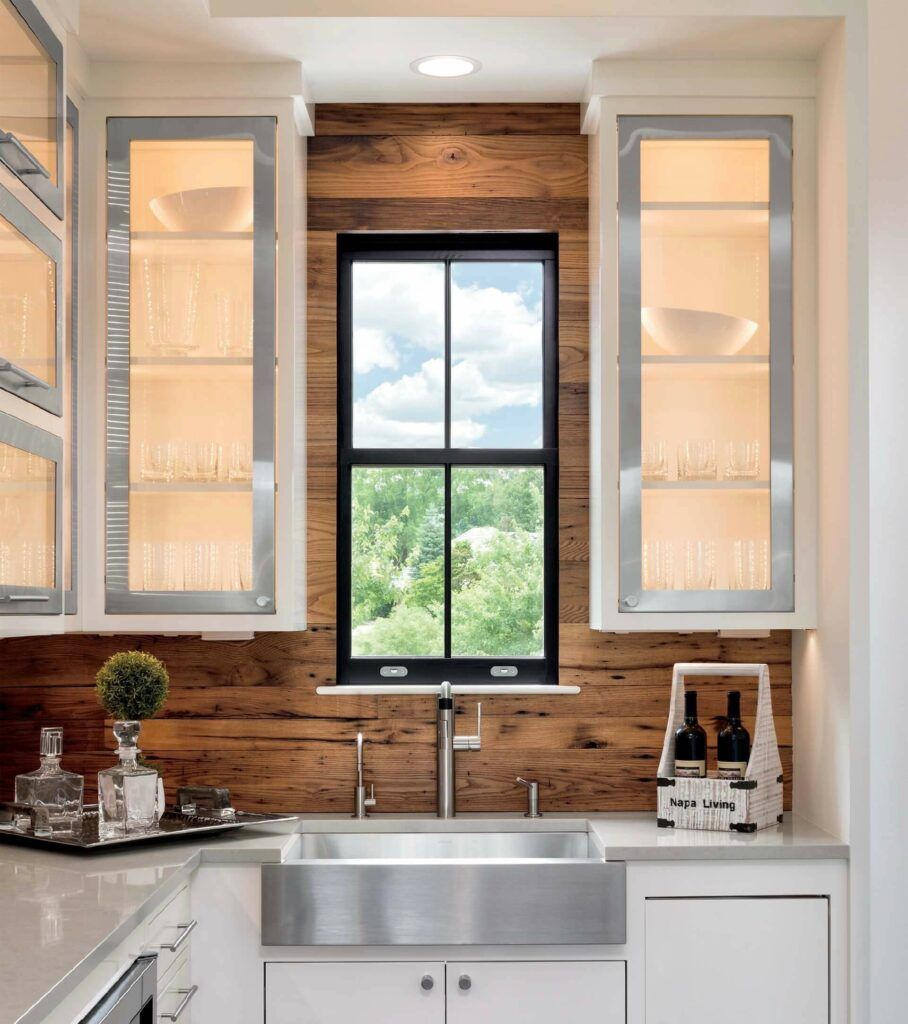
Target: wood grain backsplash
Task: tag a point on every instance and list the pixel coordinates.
(245, 714)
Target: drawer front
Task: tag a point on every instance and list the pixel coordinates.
(176, 993)
(169, 932)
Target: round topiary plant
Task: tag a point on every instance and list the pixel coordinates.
(132, 685)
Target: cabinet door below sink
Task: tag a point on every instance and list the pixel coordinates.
(536, 992)
(330, 993)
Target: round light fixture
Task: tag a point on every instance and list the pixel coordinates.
(445, 66)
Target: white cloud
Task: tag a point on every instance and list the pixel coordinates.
(396, 305)
(409, 412)
(496, 351)
(373, 349)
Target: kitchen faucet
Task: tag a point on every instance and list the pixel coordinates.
(362, 801)
(447, 744)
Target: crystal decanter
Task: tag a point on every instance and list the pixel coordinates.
(127, 792)
(53, 795)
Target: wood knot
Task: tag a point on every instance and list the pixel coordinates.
(452, 156)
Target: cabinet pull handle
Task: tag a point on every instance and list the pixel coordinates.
(29, 380)
(184, 935)
(427, 982)
(35, 166)
(465, 983)
(9, 598)
(187, 994)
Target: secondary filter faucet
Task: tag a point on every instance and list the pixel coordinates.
(362, 801)
(447, 743)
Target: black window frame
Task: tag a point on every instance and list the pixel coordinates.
(530, 247)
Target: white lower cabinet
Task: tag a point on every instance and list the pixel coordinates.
(330, 993)
(536, 992)
(751, 960)
(531, 992)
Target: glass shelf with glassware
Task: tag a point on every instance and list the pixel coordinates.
(195, 355)
(705, 374)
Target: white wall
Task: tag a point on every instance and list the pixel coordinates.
(888, 423)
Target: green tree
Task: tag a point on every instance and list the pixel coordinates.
(406, 631)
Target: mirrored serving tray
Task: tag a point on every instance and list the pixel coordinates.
(173, 825)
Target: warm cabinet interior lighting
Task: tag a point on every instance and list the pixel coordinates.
(446, 66)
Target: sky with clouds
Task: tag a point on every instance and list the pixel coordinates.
(398, 354)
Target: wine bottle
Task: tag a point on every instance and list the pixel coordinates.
(690, 742)
(734, 742)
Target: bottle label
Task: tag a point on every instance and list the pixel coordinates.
(690, 769)
(732, 769)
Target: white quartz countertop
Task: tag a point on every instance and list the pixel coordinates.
(63, 913)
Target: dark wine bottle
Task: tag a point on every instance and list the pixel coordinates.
(734, 742)
(690, 742)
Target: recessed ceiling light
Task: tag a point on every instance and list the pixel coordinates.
(445, 66)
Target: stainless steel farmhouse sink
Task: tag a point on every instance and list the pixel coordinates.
(444, 888)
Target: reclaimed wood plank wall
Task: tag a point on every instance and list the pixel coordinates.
(245, 714)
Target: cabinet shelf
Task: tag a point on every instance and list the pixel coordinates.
(705, 206)
(190, 487)
(706, 485)
(181, 361)
(191, 236)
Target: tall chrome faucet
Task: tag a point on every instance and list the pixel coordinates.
(447, 744)
(361, 801)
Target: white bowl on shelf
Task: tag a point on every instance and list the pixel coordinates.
(220, 208)
(696, 332)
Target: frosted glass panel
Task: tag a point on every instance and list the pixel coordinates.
(191, 365)
(27, 519)
(27, 305)
(28, 96)
(705, 342)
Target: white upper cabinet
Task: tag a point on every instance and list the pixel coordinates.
(31, 101)
(193, 518)
(701, 519)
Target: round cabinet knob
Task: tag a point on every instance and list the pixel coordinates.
(427, 983)
(263, 601)
(465, 983)
(631, 601)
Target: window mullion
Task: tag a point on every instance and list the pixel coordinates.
(448, 560)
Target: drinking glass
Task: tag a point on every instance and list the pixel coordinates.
(233, 323)
(7, 568)
(653, 462)
(207, 460)
(201, 567)
(238, 567)
(199, 461)
(159, 567)
(14, 324)
(697, 460)
(239, 466)
(699, 565)
(157, 461)
(750, 565)
(658, 565)
(171, 304)
(742, 460)
(36, 564)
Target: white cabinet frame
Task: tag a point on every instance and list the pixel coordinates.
(605, 461)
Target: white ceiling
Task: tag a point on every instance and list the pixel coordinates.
(367, 59)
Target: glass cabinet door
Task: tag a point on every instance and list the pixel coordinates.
(31, 101)
(191, 365)
(705, 364)
(30, 519)
(31, 317)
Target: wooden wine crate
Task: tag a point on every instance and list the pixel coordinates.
(722, 805)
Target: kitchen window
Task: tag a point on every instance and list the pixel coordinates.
(448, 458)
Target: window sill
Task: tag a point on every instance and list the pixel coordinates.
(475, 690)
